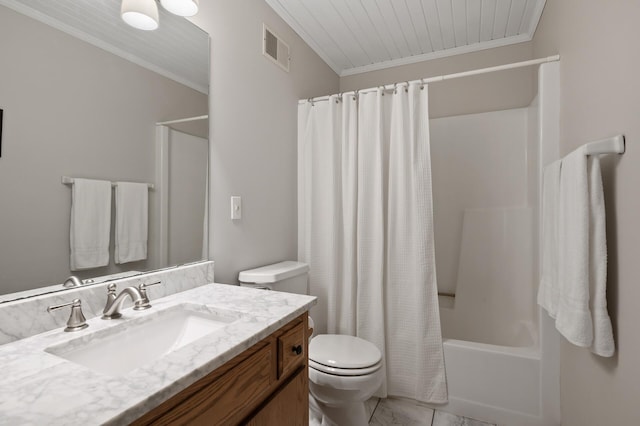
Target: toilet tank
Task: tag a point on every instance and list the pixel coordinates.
(288, 276)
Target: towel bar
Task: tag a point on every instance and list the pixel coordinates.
(69, 181)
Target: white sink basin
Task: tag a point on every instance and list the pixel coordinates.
(118, 350)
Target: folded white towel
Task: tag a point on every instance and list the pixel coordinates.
(548, 292)
(90, 223)
(132, 205)
(583, 256)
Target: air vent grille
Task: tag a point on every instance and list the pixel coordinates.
(275, 49)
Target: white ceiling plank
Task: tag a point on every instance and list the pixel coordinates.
(355, 36)
(310, 23)
(445, 15)
(338, 28)
(408, 27)
(433, 23)
(503, 9)
(382, 27)
(397, 28)
(532, 13)
(488, 17)
(362, 30)
(459, 14)
(473, 21)
(417, 13)
(515, 17)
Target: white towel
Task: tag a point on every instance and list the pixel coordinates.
(548, 292)
(582, 256)
(90, 223)
(603, 343)
(132, 205)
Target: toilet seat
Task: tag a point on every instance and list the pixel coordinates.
(344, 371)
(342, 355)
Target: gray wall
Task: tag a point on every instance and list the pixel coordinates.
(600, 88)
(69, 109)
(253, 133)
(488, 92)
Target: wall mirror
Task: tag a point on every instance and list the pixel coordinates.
(81, 93)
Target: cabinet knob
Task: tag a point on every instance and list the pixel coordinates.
(297, 349)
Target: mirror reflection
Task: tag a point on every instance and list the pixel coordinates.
(81, 94)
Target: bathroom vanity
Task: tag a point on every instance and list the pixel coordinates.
(266, 384)
(248, 367)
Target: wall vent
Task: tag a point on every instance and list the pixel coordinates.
(275, 49)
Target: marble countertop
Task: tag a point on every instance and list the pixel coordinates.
(41, 388)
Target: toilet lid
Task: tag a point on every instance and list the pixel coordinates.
(342, 351)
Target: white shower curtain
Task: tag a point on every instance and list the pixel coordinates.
(366, 229)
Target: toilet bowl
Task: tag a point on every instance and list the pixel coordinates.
(344, 371)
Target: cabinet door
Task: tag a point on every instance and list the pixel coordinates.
(289, 406)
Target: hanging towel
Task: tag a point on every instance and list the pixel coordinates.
(132, 205)
(581, 311)
(90, 223)
(603, 343)
(548, 292)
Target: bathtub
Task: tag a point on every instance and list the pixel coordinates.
(490, 328)
(498, 383)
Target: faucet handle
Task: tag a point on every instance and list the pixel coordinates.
(144, 303)
(76, 321)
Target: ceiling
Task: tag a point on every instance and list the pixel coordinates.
(355, 36)
(178, 49)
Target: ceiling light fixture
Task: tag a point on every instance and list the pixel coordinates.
(140, 14)
(181, 7)
(143, 14)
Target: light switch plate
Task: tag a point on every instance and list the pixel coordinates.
(236, 208)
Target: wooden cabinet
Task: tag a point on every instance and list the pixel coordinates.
(287, 407)
(265, 385)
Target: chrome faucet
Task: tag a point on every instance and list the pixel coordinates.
(72, 281)
(114, 303)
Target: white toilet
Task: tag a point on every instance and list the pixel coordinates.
(344, 371)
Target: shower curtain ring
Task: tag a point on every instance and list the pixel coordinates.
(406, 89)
(395, 88)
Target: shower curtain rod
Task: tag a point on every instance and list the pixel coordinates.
(183, 120)
(428, 80)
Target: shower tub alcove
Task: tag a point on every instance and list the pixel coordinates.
(486, 177)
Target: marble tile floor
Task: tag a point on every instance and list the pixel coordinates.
(392, 412)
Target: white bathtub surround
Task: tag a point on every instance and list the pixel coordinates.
(366, 230)
(495, 274)
(576, 295)
(27, 317)
(90, 223)
(41, 388)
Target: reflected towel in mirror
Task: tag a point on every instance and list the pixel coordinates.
(90, 223)
(132, 213)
